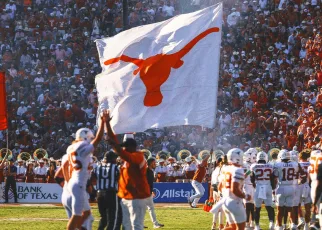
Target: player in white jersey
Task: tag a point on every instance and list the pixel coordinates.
(79, 156)
(249, 159)
(231, 186)
(285, 173)
(315, 163)
(304, 191)
(215, 194)
(262, 178)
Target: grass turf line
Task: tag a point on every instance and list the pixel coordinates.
(29, 218)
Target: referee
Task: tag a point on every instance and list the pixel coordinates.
(107, 176)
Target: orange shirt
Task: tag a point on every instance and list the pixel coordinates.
(200, 173)
(133, 183)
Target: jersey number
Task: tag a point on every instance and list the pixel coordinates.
(77, 164)
(288, 174)
(263, 174)
(314, 167)
(227, 180)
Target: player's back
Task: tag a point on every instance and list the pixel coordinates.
(79, 156)
(315, 160)
(286, 172)
(230, 174)
(263, 173)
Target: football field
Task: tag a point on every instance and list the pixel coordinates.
(36, 217)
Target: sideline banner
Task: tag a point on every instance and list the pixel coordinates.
(37, 193)
(176, 192)
(34, 193)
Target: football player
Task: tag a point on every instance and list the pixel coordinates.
(262, 179)
(79, 157)
(231, 186)
(315, 177)
(304, 191)
(285, 173)
(249, 159)
(215, 194)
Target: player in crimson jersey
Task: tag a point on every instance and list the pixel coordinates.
(231, 186)
(262, 179)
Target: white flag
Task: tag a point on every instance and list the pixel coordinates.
(162, 74)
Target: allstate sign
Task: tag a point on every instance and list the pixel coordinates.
(176, 192)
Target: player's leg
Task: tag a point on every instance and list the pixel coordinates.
(113, 208)
(126, 219)
(87, 217)
(101, 204)
(137, 213)
(77, 193)
(258, 203)
(150, 206)
(200, 190)
(280, 203)
(238, 213)
(67, 203)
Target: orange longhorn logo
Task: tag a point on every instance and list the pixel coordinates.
(155, 70)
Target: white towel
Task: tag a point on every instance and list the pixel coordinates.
(217, 206)
(262, 192)
(306, 191)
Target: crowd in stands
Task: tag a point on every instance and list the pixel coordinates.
(270, 73)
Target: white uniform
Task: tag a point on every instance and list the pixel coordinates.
(40, 170)
(66, 197)
(248, 186)
(21, 170)
(161, 169)
(233, 206)
(79, 159)
(219, 215)
(287, 174)
(263, 190)
(303, 194)
(315, 160)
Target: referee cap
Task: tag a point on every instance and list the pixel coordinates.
(110, 155)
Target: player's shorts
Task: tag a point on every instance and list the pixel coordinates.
(249, 190)
(263, 193)
(216, 196)
(285, 195)
(234, 210)
(302, 194)
(66, 200)
(79, 198)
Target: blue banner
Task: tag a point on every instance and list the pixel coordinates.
(176, 192)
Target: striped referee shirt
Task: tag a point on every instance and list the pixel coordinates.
(107, 176)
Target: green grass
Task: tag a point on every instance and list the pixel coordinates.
(21, 218)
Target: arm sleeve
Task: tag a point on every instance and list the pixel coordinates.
(238, 175)
(135, 158)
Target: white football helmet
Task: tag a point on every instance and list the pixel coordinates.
(262, 156)
(316, 153)
(284, 155)
(84, 134)
(250, 155)
(235, 156)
